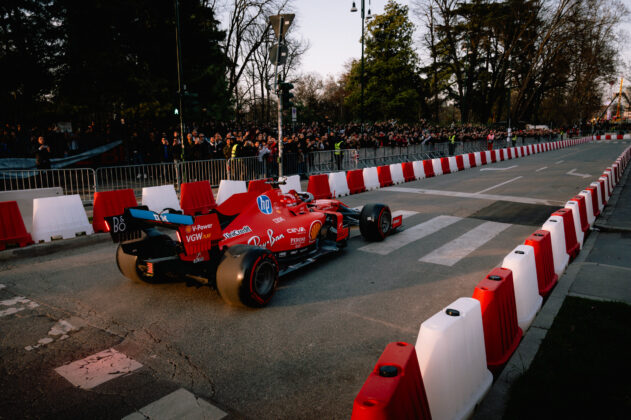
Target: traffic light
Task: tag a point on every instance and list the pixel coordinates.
(286, 95)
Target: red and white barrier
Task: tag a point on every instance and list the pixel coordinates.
(318, 186)
(419, 169)
(228, 188)
(576, 216)
(407, 169)
(396, 173)
(437, 166)
(444, 164)
(371, 178)
(111, 203)
(164, 197)
(355, 181)
(338, 185)
(394, 389)
(599, 194)
(541, 243)
(521, 261)
(554, 225)
(589, 206)
(59, 217)
(572, 246)
(455, 380)
(385, 177)
(12, 230)
(502, 334)
(428, 168)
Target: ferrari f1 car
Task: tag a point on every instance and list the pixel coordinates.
(243, 245)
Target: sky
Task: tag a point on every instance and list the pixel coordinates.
(333, 33)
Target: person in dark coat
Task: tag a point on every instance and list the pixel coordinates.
(42, 154)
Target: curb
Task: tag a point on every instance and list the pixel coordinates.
(53, 247)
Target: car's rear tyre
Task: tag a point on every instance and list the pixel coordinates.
(375, 222)
(128, 266)
(247, 276)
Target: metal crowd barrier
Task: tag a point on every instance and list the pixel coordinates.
(86, 181)
(72, 181)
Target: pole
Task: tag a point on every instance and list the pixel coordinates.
(361, 109)
(280, 101)
(179, 75)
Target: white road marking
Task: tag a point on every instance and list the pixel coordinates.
(499, 169)
(452, 252)
(409, 235)
(559, 161)
(404, 213)
(499, 185)
(577, 174)
(541, 169)
(13, 303)
(180, 404)
(97, 369)
(490, 197)
(60, 331)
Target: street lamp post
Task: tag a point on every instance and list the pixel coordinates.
(361, 78)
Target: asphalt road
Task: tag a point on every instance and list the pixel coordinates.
(308, 353)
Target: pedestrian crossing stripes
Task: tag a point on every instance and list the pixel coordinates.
(180, 404)
(97, 369)
(409, 235)
(450, 253)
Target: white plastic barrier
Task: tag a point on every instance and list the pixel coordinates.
(466, 161)
(291, 183)
(59, 217)
(338, 184)
(588, 206)
(419, 170)
(228, 188)
(554, 225)
(576, 215)
(518, 150)
(24, 198)
(498, 155)
(626, 137)
(478, 158)
(487, 153)
(452, 358)
(604, 179)
(160, 198)
(453, 165)
(396, 172)
(438, 167)
(612, 182)
(599, 193)
(521, 261)
(371, 178)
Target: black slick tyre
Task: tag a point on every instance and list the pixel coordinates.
(128, 265)
(247, 276)
(375, 222)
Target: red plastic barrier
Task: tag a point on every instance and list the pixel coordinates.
(355, 181)
(385, 177)
(408, 171)
(524, 151)
(619, 137)
(472, 160)
(595, 206)
(444, 163)
(483, 158)
(319, 186)
(428, 167)
(603, 194)
(502, 334)
(197, 198)
(12, 230)
(394, 389)
(571, 242)
(582, 210)
(259, 185)
(110, 203)
(541, 241)
(460, 162)
(509, 153)
(494, 155)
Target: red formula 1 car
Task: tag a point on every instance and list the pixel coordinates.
(244, 244)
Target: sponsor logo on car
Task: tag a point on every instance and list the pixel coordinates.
(297, 230)
(195, 228)
(272, 239)
(314, 229)
(298, 241)
(237, 232)
(194, 237)
(278, 219)
(265, 204)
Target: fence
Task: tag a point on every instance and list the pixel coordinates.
(86, 181)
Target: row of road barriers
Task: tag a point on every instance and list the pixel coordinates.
(449, 370)
(87, 181)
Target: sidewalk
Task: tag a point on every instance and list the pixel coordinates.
(601, 272)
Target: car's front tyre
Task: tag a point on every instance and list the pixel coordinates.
(375, 222)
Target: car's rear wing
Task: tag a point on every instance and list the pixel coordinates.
(134, 220)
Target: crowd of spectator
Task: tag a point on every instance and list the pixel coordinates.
(143, 143)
